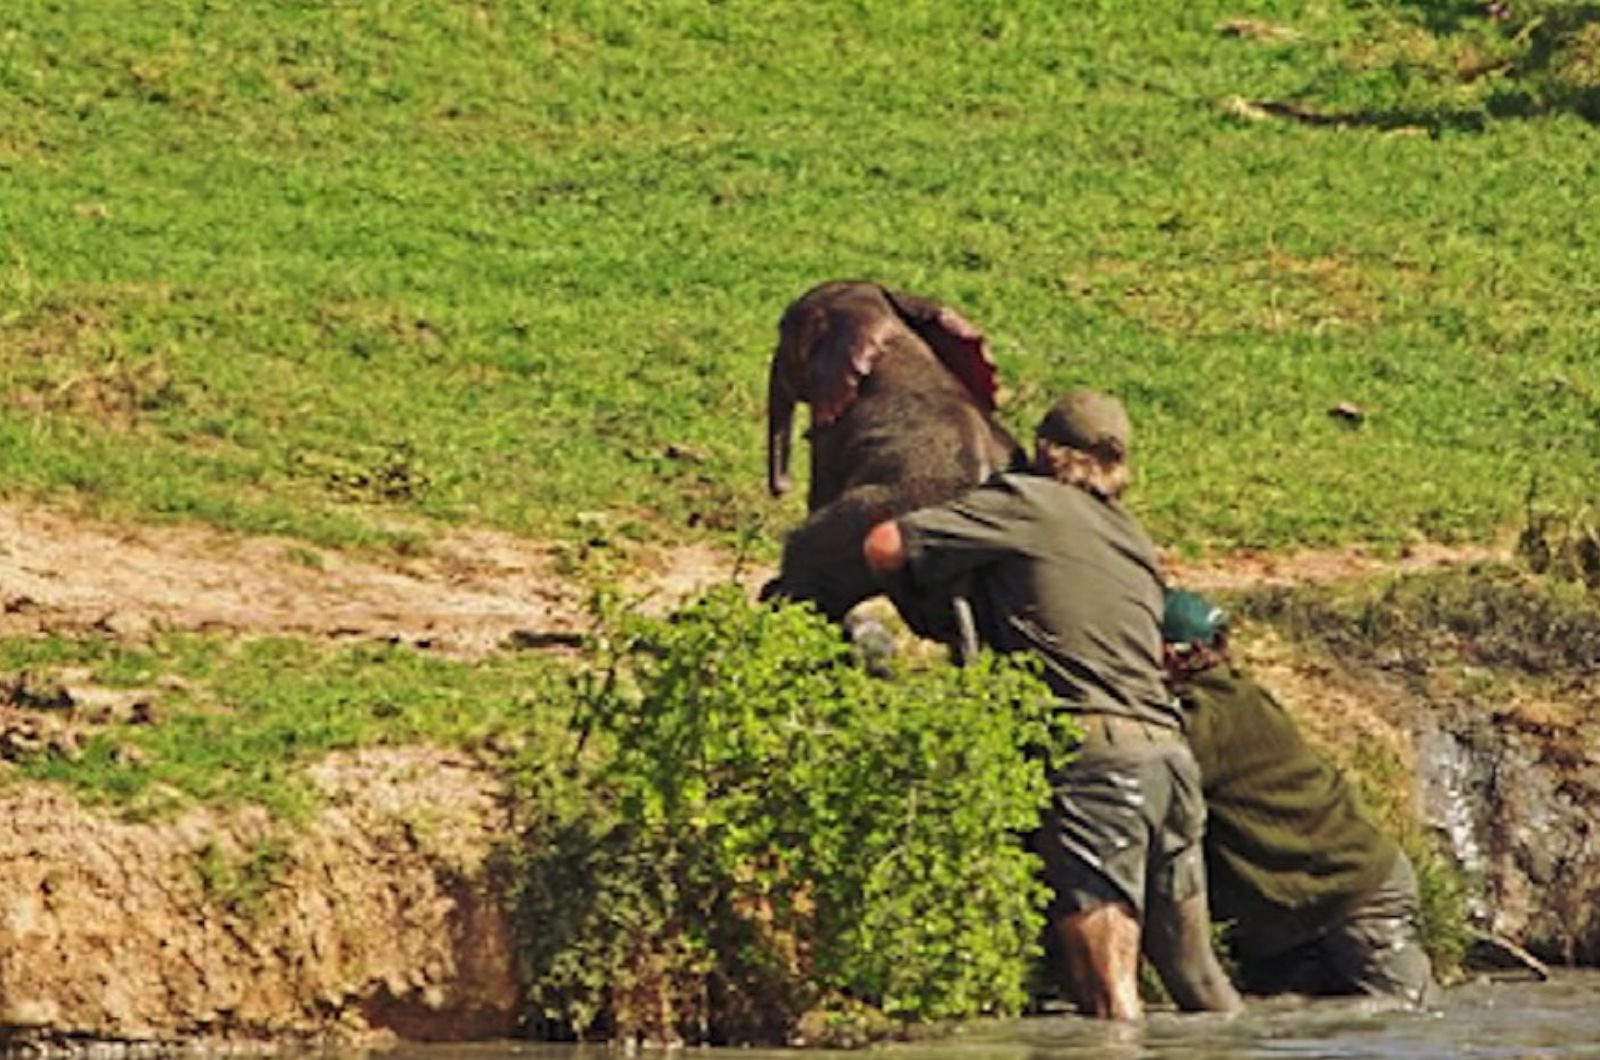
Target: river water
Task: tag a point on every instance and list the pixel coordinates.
(1559, 1018)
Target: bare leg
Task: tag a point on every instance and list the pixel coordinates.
(1100, 957)
(1178, 941)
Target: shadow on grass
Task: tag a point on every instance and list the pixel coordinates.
(1558, 71)
(1432, 122)
(1561, 71)
(1450, 16)
(1546, 63)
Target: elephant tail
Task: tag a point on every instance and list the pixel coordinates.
(965, 647)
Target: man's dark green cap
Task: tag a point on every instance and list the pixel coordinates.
(1090, 421)
(1189, 618)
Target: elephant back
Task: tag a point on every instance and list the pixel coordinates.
(922, 438)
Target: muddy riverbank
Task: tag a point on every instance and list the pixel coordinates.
(1456, 688)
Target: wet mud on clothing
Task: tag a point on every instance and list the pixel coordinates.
(1375, 948)
(1125, 820)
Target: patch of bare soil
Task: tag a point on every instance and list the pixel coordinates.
(468, 594)
(1255, 570)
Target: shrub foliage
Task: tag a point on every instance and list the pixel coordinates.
(782, 834)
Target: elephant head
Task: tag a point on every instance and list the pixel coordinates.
(902, 394)
(832, 337)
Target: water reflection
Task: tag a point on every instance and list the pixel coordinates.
(1560, 1018)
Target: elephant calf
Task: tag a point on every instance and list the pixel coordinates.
(902, 396)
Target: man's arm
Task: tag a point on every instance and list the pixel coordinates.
(939, 545)
(884, 549)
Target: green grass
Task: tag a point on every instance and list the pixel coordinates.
(236, 721)
(293, 267)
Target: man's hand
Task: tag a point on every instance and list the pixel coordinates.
(884, 549)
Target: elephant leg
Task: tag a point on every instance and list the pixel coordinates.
(822, 560)
(965, 645)
(823, 564)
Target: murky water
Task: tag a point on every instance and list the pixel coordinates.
(1560, 1018)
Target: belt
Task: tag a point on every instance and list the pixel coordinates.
(1122, 729)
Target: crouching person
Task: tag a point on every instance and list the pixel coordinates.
(1321, 901)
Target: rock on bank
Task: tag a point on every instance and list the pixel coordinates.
(378, 915)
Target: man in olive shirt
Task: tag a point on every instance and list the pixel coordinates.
(1058, 568)
(1321, 901)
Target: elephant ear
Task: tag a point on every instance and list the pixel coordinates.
(960, 346)
(841, 359)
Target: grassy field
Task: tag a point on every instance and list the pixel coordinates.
(305, 266)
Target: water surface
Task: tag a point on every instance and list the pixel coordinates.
(1559, 1018)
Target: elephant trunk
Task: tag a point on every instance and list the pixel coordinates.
(780, 422)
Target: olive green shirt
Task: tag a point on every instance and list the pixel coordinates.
(1059, 572)
(1288, 849)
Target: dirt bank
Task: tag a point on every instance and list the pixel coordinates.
(377, 917)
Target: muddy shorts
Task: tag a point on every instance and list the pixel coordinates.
(1375, 948)
(1125, 819)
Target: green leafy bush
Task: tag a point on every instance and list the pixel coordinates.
(783, 834)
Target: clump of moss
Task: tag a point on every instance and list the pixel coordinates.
(1492, 616)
